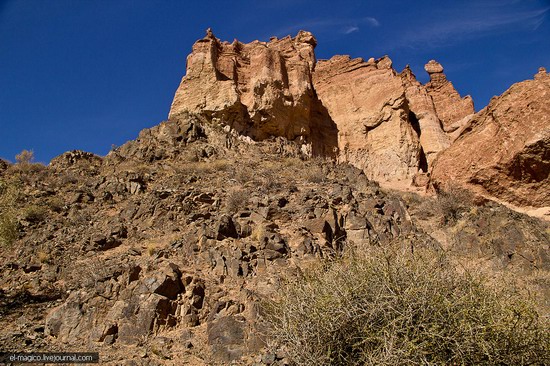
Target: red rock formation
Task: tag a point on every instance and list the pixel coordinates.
(365, 113)
(260, 89)
(421, 108)
(504, 151)
(387, 123)
(451, 108)
(367, 102)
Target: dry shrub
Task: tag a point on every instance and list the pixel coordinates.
(390, 307)
(448, 206)
(34, 213)
(25, 157)
(9, 194)
(453, 202)
(236, 200)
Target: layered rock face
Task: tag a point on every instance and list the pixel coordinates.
(260, 89)
(504, 151)
(364, 113)
(423, 118)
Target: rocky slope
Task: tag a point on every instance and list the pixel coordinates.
(161, 252)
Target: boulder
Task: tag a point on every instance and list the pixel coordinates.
(76, 160)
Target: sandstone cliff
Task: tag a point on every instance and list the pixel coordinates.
(359, 112)
(504, 151)
(367, 102)
(364, 113)
(260, 89)
(451, 108)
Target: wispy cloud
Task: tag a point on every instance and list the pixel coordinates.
(351, 30)
(452, 28)
(342, 26)
(373, 22)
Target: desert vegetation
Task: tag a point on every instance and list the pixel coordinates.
(8, 220)
(394, 306)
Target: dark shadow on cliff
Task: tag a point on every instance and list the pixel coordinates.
(324, 132)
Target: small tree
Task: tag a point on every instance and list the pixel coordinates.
(25, 157)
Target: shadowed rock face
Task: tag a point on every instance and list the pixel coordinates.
(505, 150)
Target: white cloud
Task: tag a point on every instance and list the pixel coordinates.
(343, 26)
(373, 22)
(351, 29)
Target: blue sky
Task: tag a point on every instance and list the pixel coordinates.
(89, 74)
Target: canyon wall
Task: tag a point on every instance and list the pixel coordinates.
(387, 123)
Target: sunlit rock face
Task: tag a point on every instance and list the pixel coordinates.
(386, 123)
(260, 89)
(504, 151)
(451, 108)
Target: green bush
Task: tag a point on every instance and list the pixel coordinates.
(395, 308)
(8, 219)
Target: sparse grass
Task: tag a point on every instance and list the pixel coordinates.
(55, 204)
(8, 229)
(43, 257)
(204, 167)
(258, 233)
(314, 174)
(151, 249)
(392, 307)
